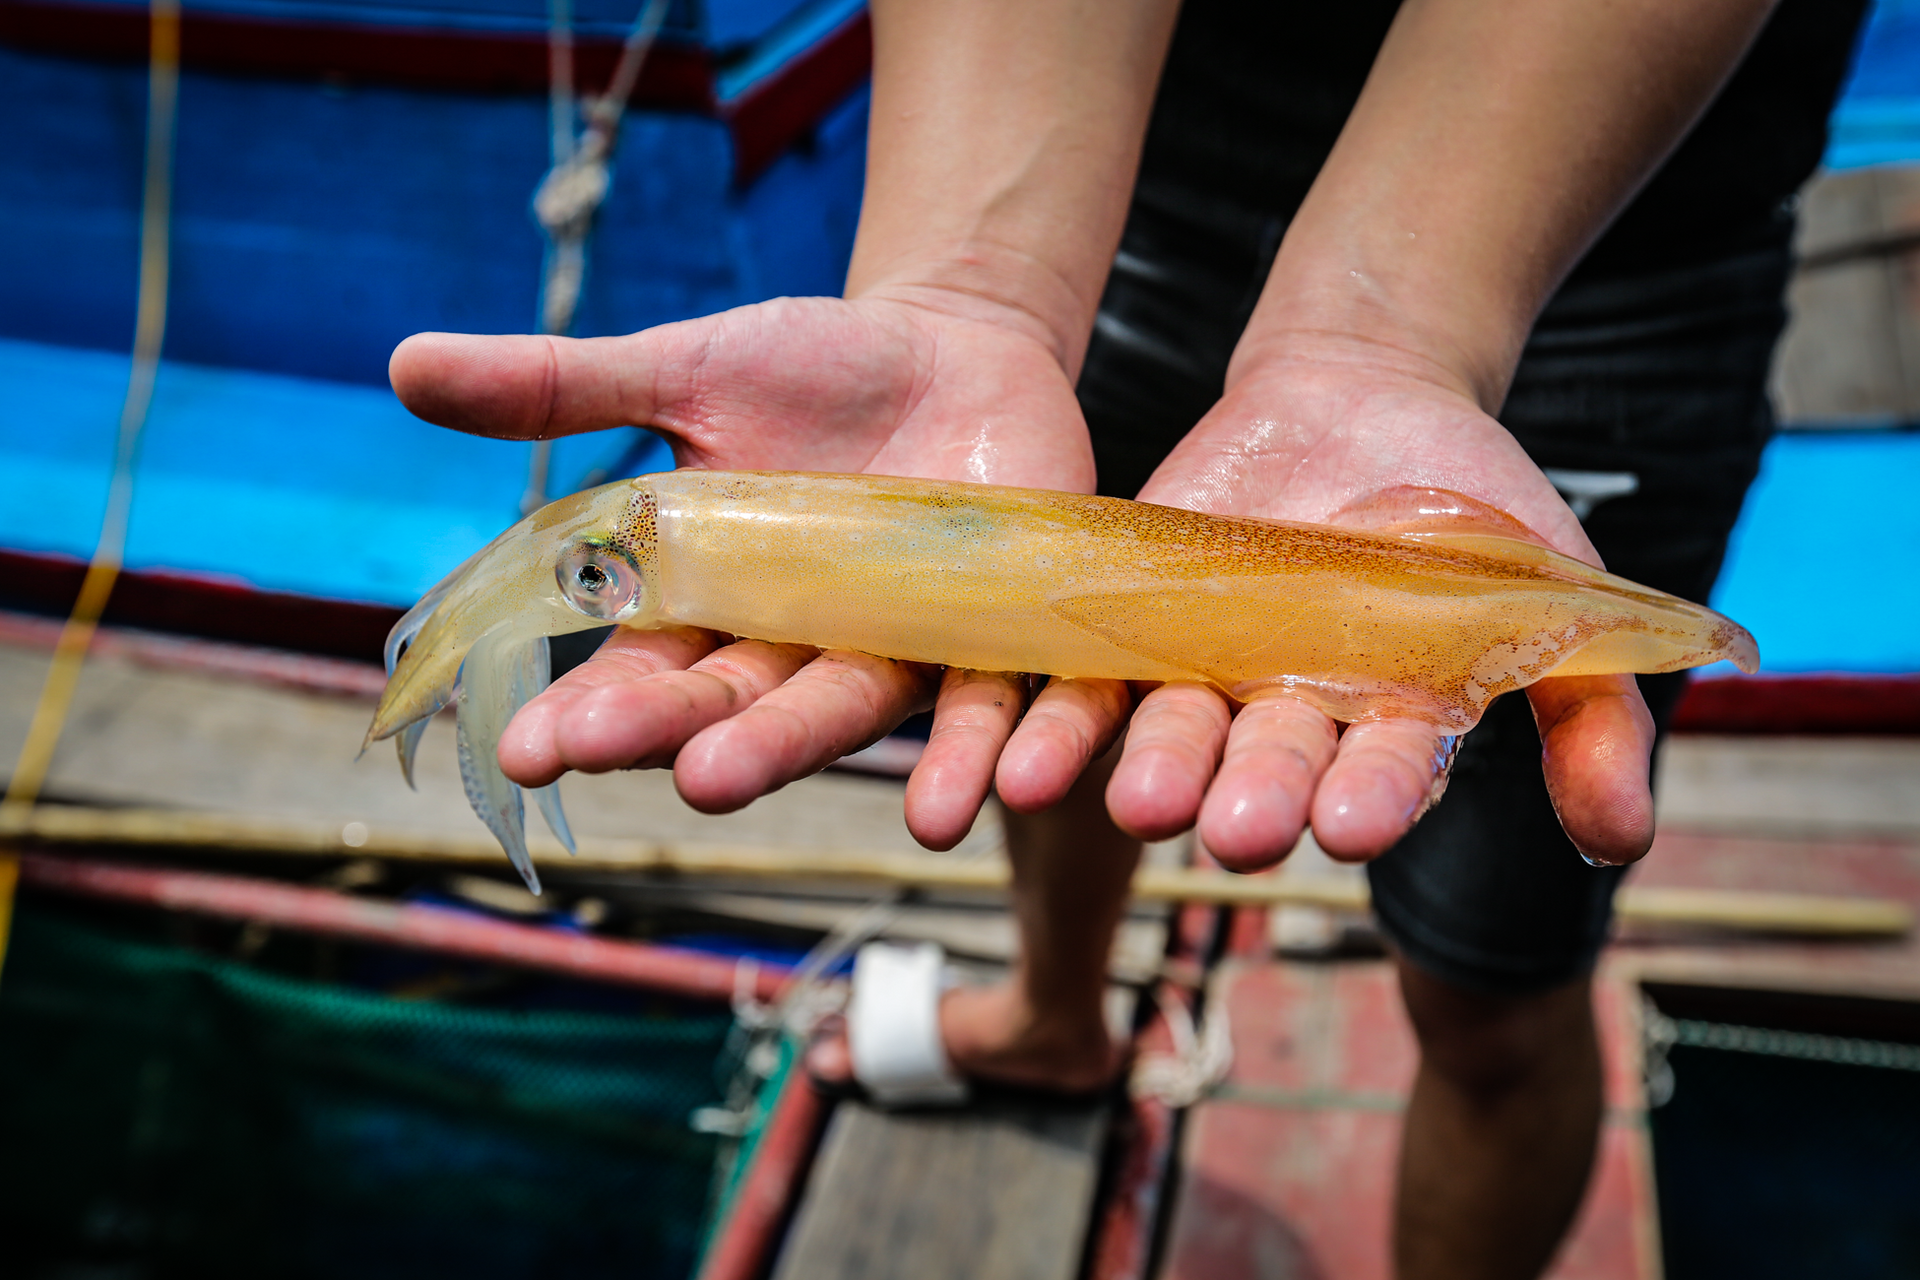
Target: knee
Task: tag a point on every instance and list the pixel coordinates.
(1489, 1047)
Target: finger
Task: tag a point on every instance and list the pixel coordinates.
(1070, 725)
(528, 750)
(1380, 782)
(1596, 741)
(643, 723)
(1173, 746)
(834, 705)
(536, 387)
(1256, 809)
(972, 720)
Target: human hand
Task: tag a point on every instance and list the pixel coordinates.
(899, 385)
(1316, 423)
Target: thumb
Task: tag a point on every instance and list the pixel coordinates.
(532, 387)
(1596, 739)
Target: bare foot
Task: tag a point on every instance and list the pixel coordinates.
(994, 1034)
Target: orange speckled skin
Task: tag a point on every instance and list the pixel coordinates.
(1431, 621)
(1432, 624)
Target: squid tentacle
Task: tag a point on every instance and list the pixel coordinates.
(498, 804)
(531, 674)
(502, 672)
(412, 622)
(407, 743)
(415, 619)
(485, 698)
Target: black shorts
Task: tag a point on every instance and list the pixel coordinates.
(1655, 367)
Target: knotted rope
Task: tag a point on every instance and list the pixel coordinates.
(576, 185)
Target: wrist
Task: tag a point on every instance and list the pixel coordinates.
(983, 281)
(1391, 313)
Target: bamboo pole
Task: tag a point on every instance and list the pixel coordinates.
(1785, 913)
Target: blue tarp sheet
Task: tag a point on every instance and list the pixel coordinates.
(316, 226)
(1878, 118)
(298, 485)
(287, 484)
(1821, 569)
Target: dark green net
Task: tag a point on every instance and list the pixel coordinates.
(164, 1112)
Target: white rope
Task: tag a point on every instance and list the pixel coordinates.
(1198, 1061)
(576, 185)
(810, 996)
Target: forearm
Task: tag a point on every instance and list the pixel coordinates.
(1495, 139)
(1004, 140)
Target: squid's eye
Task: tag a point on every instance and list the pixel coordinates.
(598, 582)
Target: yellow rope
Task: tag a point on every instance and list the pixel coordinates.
(63, 677)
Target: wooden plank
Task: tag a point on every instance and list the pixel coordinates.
(1793, 913)
(1790, 787)
(1001, 1190)
(1887, 867)
(1288, 1167)
(1851, 356)
(144, 734)
(979, 931)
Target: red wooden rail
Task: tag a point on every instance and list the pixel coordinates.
(744, 1245)
(418, 927)
(763, 121)
(1829, 703)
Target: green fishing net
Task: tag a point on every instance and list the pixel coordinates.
(165, 1112)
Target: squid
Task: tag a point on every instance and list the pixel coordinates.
(1421, 603)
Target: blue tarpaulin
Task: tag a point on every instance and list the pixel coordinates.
(1878, 117)
(318, 224)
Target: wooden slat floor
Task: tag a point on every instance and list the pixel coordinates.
(1287, 1170)
(1002, 1190)
(1285, 1173)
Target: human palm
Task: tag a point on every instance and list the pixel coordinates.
(877, 385)
(1306, 434)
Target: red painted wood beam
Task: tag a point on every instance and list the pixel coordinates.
(192, 604)
(770, 116)
(676, 76)
(1830, 703)
(744, 1246)
(414, 926)
(764, 120)
(1811, 704)
(308, 672)
(1123, 1238)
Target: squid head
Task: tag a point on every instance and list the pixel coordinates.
(479, 640)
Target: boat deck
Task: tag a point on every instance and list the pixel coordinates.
(1284, 1170)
